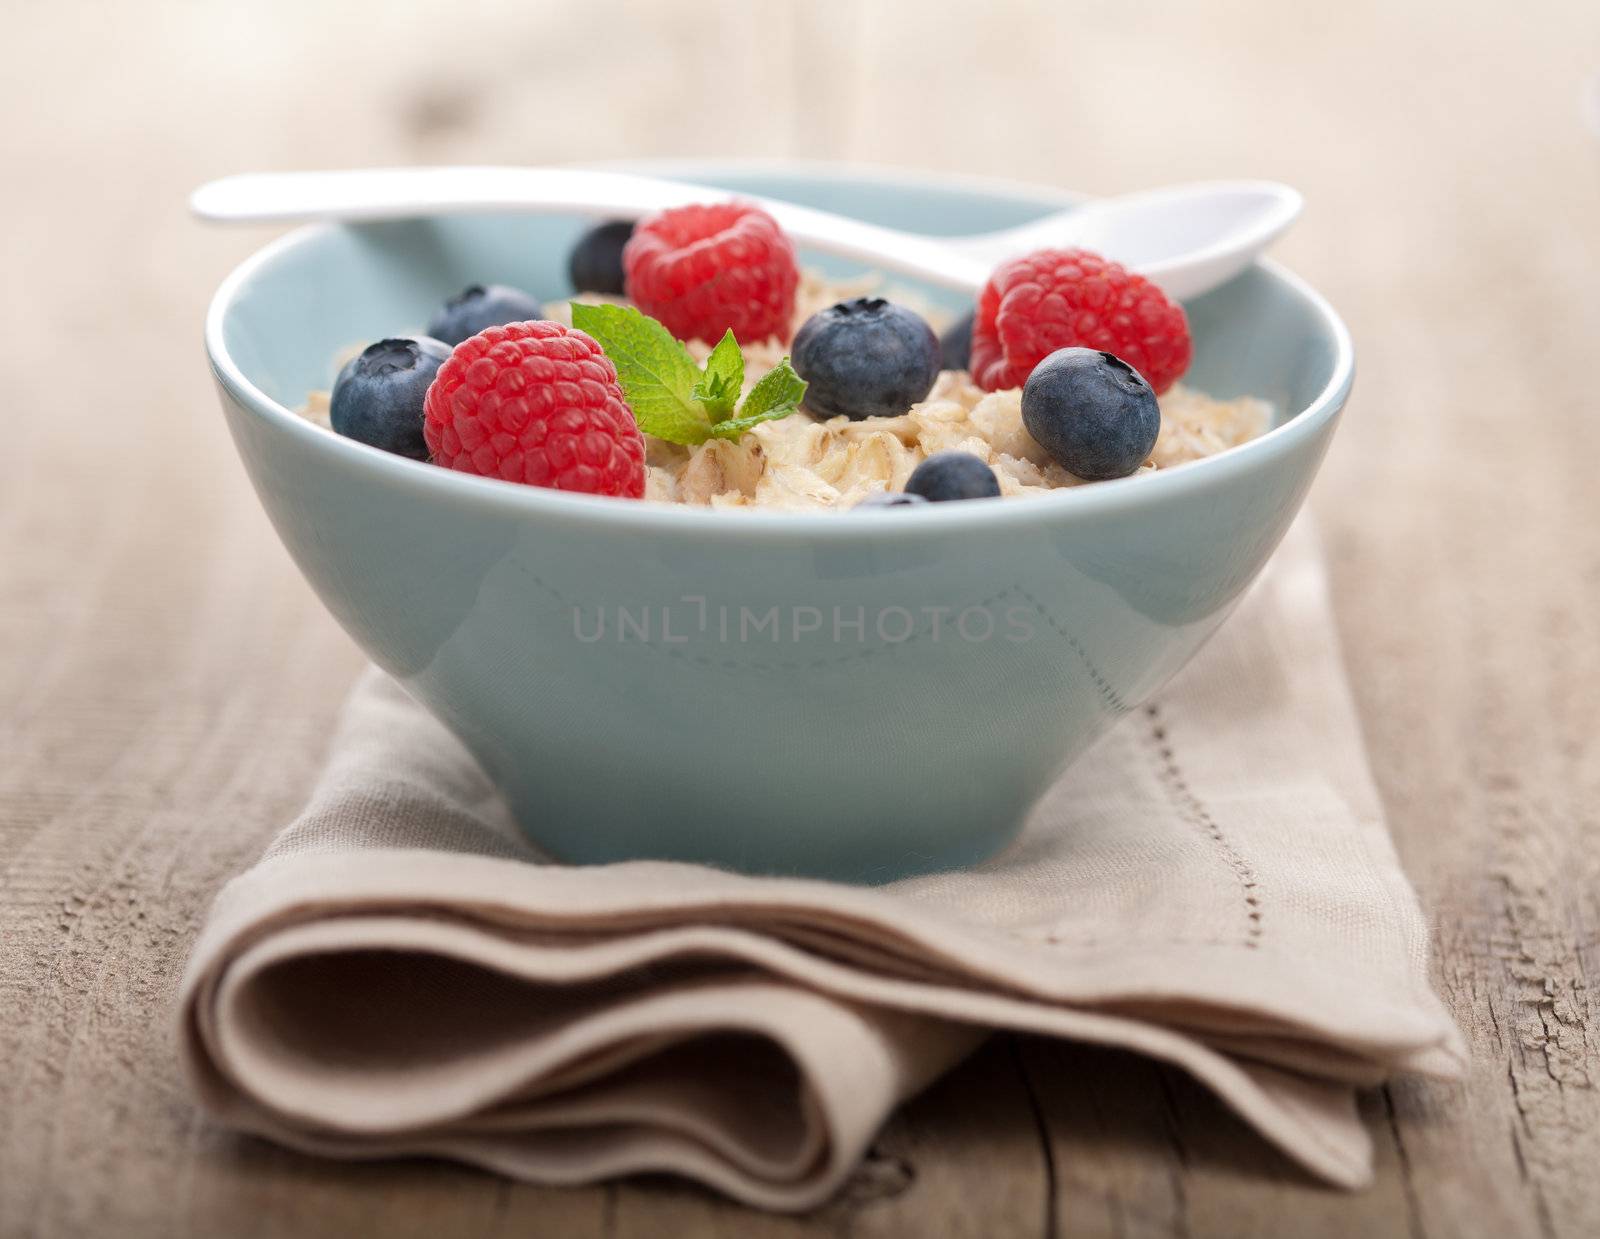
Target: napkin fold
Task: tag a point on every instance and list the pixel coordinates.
(1212, 885)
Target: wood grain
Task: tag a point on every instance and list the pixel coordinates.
(166, 680)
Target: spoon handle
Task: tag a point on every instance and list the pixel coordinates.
(399, 193)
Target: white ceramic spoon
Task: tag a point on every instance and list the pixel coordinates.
(1189, 239)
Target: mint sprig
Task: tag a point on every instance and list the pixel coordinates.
(671, 397)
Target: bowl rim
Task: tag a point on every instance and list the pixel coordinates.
(1096, 499)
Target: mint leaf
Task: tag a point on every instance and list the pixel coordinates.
(670, 396)
(658, 376)
(718, 389)
(780, 388)
(776, 395)
(734, 427)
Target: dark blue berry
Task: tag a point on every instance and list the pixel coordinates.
(953, 475)
(478, 307)
(955, 345)
(865, 358)
(377, 398)
(1092, 412)
(596, 261)
(891, 499)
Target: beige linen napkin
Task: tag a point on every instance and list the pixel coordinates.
(1212, 885)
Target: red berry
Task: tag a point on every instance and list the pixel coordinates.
(538, 403)
(1053, 299)
(704, 269)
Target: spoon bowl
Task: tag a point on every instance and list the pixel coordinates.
(1188, 238)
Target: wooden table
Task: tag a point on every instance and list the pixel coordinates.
(167, 681)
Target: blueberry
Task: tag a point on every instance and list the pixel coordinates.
(955, 345)
(865, 358)
(953, 475)
(891, 499)
(1092, 412)
(377, 398)
(595, 264)
(478, 307)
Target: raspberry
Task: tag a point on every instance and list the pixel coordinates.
(1052, 299)
(701, 270)
(539, 403)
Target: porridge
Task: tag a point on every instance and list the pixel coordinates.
(819, 394)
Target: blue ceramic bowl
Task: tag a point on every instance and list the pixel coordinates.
(851, 695)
